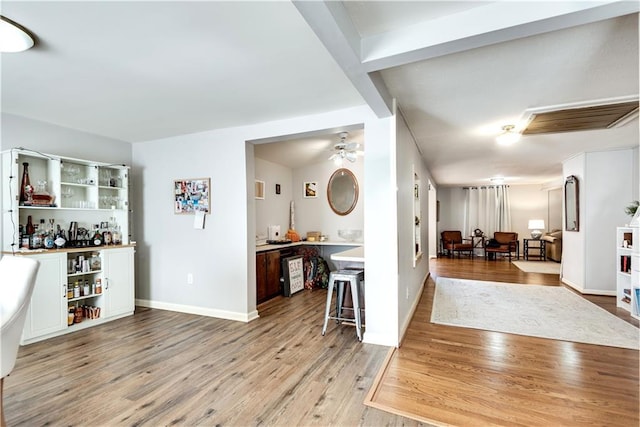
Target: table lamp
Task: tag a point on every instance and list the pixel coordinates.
(535, 225)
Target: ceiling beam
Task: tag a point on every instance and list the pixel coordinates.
(482, 26)
(331, 23)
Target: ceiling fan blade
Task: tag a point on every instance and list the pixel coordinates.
(352, 146)
(351, 156)
(333, 156)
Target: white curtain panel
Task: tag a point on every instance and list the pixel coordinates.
(487, 208)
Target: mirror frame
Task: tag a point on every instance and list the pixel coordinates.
(336, 174)
(571, 203)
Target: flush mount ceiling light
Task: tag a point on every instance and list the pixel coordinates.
(508, 136)
(344, 150)
(497, 180)
(13, 37)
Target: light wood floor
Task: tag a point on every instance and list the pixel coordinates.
(459, 376)
(161, 368)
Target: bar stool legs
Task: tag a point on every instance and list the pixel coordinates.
(354, 278)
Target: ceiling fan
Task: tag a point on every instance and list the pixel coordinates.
(344, 150)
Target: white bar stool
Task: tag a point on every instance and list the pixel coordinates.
(354, 277)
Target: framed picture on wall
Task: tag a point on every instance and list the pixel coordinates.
(259, 189)
(191, 195)
(310, 190)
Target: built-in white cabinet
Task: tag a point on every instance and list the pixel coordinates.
(118, 282)
(73, 217)
(47, 312)
(628, 269)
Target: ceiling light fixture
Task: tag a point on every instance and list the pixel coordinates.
(344, 150)
(497, 180)
(508, 136)
(13, 37)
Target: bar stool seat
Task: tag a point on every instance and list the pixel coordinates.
(354, 278)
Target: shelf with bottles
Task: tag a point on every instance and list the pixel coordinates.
(64, 189)
(79, 314)
(79, 290)
(37, 177)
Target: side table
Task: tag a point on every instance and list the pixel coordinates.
(539, 249)
(478, 243)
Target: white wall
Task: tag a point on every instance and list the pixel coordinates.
(606, 185)
(555, 209)
(527, 202)
(451, 209)
(315, 214)
(222, 256)
(573, 242)
(411, 279)
(274, 209)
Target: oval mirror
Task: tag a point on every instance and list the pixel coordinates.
(342, 191)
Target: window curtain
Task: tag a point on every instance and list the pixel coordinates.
(487, 208)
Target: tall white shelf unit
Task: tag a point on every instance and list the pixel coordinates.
(88, 193)
(628, 269)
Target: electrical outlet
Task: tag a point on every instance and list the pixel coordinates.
(189, 278)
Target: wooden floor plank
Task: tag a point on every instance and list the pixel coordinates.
(460, 376)
(164, 368)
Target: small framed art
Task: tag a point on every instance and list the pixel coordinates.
(259, 189)
(191, 195)
(310, 190)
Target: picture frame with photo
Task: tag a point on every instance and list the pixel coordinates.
(310, 189)
(191, 195)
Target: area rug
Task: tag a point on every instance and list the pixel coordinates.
(534, 310)
(546, 267)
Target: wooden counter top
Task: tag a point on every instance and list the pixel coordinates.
(264, 248)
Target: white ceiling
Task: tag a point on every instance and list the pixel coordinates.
(139, 71)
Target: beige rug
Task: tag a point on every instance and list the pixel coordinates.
(546, 267)
(534, 310)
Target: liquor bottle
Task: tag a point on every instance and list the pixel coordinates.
(97, 237)
(107, 237)
(29, 230)
(26, 190)
(61, 239)
(116, 234)
(49, 237)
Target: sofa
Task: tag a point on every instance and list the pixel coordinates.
(553, 244)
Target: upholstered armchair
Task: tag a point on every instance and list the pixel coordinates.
(452, 241)
(503, 242)
(17, 279)
(553, 245)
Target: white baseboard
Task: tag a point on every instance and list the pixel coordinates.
(603, 292)
(378, 339)
(414, 306)
(201, 311)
